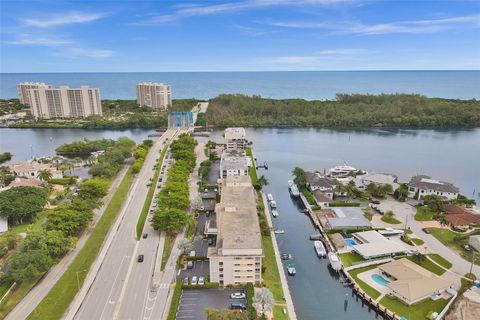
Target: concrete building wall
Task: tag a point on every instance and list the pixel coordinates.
(235, 270)
(154, 95)
(24, 94)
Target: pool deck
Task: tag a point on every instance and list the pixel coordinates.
(367, 278)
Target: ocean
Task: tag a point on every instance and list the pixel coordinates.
(279, 85)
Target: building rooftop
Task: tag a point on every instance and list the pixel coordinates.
(235, 133)
(348, 217)
(25, 166)
(233, 161)
(412, 281)
(380, 178)
(374, 245)
(315, 179)
(29, 182)
(320, 196)
(427, 183)
(460, 216)
(152, 84)
(238, 226)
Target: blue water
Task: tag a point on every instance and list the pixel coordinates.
(380, 280)
(285, 84)
(350, 242)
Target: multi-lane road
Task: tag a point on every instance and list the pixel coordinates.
(119, 266)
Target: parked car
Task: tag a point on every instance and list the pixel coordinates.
(194, 281)
(238, 306)
(192, 253)
(145, 236)
(237, 295)
(190, 264)
(210, 241)
(140, 258)
(185, 281)
(201, 281)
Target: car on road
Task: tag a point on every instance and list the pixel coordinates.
(140, 258)
(145, 236)
(190, 264)
(192, 253)
(201, 281)
(238, 306)
(194, 281)
(237, 295)
(185, 281)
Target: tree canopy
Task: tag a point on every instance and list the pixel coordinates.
(21, 204)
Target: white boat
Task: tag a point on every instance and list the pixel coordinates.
(291, 269)
(279, 231)
(320, 249)
(273, 204)
(335, 263)
(341, 171)
(269, 197)
(274, 213)
(293, 188)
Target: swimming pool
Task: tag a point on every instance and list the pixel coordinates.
(350, 242)
(380, 280)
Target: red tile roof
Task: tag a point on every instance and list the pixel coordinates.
(460, 216)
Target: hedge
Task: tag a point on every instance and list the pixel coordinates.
(195, 258)
(252, 312)
(177, 294)
(208, 285)
(344, 204)
(63, 181)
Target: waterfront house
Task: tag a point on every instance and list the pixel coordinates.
(326, 185)
(31, 169)
(371, 244)
(379, 179)
(235, 139)
(347, 218)
(459, 216)
(421, 186)
(411, 283)
(321, 198)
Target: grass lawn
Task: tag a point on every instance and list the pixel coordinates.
(429, 265)
(424, 214)
(252, 171)
(271, 276)
(55, 303)
(167, 250)
(151, 190)
(440, 260)
(417, 241)
(350, 258)
(408, 231)
(368, 214)
(390, 220)
(448, 238)
(374, 294)
(15, 297)
(418, 311)
(20, 228)
(465, 283)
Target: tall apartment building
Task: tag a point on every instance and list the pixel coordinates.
(154, 95)
(64, 102)
(23, 93)
(235, 139)
(237, 257)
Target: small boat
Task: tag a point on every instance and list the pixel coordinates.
(291, 269)
(317, 236)
(269, 197)
(273, 204)
(293, 188)
(335, 263)
(320, 249)
(286, 256)
(274, 213)
(279, 231)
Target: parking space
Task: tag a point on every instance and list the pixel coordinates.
(201, 268)
(194, 302)
(214, 173)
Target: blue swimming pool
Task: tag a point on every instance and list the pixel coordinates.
(380, 280)
(350, 242)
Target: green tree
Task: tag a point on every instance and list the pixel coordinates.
(69, 222)
(435, 203)
(21, 204)
(171, 220)
(264, 301)
(94, 188)
(27, 265)
(224, 314)
(401, 193)
(300, 177)
(442, 218)
(52, 242)
(263, 181)
(45, 175)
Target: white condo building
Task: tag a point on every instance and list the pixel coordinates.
(154, 95)
(235, 139)
(47, 102)
(24, 94)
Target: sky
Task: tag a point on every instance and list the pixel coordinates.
(241, 35)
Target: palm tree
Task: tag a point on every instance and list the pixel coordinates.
(263, 300)
(263, 181)
(44, 175)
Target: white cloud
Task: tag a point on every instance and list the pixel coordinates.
(230, 7)
(27, 39)
(323, 55)
(415, 26)
(73, 17)
(86, 52)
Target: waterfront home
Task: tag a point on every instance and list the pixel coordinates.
(321, 198)
(347, 218)
(28, 169)
(379, 179)
(371, 244)
(421, 186)
(326, 185)
(235, 139)
(411, 283)
(233, 163)
(237, 257)
(459, 216)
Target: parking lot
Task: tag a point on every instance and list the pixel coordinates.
(194, 302)
(200, 268)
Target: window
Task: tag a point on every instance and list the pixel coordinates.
(220, 269)
(220, 263)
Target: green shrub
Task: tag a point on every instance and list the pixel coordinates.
(63, 181)
(252, 312)
(344, 204)
(177, 294)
